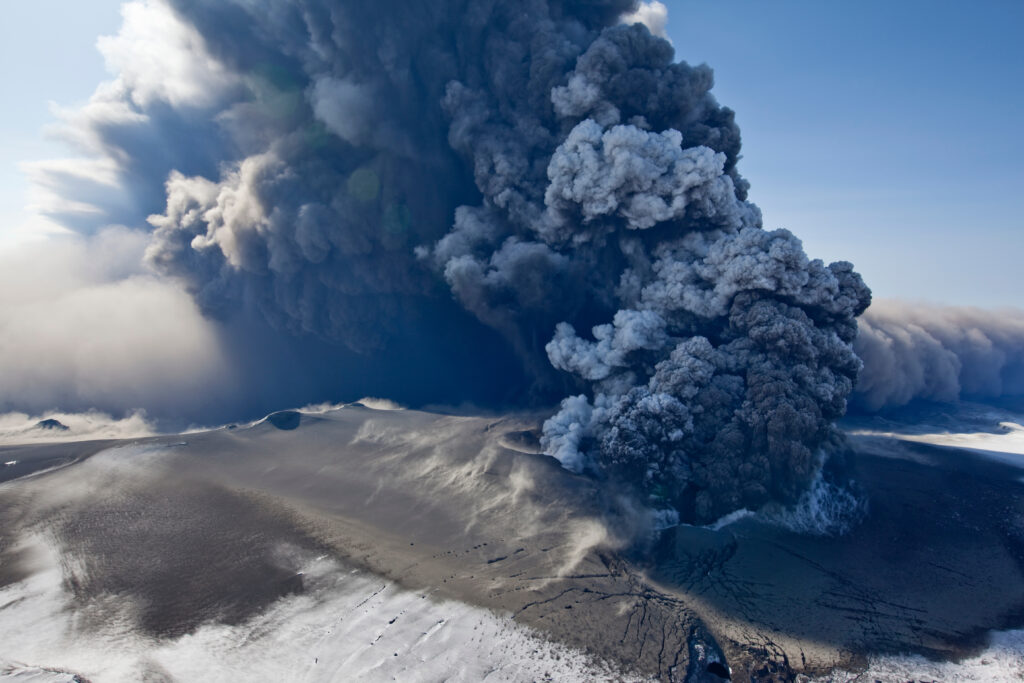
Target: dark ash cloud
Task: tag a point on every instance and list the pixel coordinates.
(509, 202)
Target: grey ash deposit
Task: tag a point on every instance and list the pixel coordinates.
(167, 537)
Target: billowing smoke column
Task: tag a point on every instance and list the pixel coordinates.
(390, 175)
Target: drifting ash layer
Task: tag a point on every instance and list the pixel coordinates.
(238, 542)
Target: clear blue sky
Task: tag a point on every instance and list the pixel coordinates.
(48, 54)
(885, 133)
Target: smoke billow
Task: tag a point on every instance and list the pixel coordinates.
(530, 191)
(938, 354)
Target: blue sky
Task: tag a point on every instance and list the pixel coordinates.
(883, 133)
(48, 52)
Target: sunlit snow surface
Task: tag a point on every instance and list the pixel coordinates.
(347, 626)
(1002, 661)
(996, 433)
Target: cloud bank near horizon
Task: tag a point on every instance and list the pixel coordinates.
(938, 353)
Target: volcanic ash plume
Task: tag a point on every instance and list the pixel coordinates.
(397, 175)
(938, 354)
(716, 389)
(725, 354)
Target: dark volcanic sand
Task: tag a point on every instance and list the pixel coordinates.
(214, 529)
(37, 458)
(28, 461)
(937, 562)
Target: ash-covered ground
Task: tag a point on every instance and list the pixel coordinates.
(360, 544)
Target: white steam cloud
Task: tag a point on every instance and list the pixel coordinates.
(653, 15)
(84, 326)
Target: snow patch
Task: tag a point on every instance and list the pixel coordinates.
(1001, 662)
(346, 626)
(1005, 443)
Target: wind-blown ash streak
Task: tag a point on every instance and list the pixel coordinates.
(938, 354)
(354, 166)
